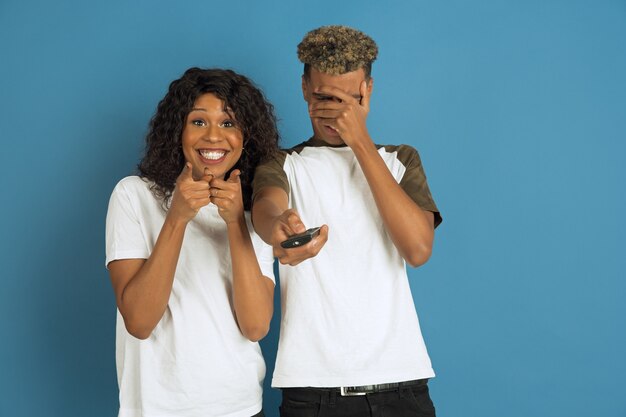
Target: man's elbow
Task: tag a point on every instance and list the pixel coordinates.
(418, 255)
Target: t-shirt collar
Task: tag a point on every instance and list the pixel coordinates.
(314, 142)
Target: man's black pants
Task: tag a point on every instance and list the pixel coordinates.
(404, 401)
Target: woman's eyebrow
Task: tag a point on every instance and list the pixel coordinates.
(226, 110)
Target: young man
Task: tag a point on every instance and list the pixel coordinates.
(350, 342)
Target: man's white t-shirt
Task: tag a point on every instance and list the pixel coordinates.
(196, 362)
(348, 316)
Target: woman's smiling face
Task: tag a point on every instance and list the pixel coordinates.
(211, 138)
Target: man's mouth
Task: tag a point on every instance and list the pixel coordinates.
(330, 131)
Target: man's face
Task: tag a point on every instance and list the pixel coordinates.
(349, 83)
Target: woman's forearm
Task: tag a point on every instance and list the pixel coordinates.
(253, 293)
(144, 286)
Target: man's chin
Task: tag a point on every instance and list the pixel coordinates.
(331, 138)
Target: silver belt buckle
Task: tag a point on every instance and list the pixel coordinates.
(345, 393)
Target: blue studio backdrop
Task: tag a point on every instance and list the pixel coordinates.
(517, 108)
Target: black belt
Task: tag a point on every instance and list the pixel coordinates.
(363, 389)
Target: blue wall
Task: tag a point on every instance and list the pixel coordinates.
(518, 110)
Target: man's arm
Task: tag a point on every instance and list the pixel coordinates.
(269, 203)
(411, 229)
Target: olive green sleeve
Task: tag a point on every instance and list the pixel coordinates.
(270, 174)
(414, 181)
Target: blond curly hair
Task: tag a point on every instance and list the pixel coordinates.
(336, 50)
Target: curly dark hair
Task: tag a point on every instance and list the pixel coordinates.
(336, 50)
(164, 160)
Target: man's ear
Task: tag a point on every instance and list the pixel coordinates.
(370, 86)
(305, 88)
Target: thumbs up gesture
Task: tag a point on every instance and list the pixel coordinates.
(226, 195)
(190, 195)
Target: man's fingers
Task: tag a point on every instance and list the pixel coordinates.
(323, 236)
(295, 224)
(326, 105)
(294, 256)
(316, 244)
(326, 113)
(336, 92)
(364, 92)
(288, 258)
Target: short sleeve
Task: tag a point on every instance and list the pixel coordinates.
(270, 174)
(414, 181)
(124, 236)
(264, 254)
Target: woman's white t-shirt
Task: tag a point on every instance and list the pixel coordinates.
(196, 362)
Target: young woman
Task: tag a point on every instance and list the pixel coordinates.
(192, 296)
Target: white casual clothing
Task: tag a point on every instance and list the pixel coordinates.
(348, 316)
(196, 362)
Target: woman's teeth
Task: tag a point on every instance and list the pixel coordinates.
(214, 155)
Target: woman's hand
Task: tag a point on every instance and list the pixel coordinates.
(226, 195)
(190, 195)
